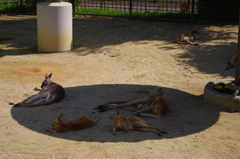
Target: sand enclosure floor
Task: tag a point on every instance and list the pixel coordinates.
(117, 60)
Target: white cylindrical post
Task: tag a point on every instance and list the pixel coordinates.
(54, 26)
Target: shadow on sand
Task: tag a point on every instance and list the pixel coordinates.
(188, 114)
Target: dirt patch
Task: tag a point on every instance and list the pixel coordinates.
(117, 60)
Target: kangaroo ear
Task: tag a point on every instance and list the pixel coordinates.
(117, 111)
(48, 76)
(194, 28)
(159, 92)
(59, 117)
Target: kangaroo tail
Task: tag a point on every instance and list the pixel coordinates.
(195, 44)
(108, 106)
(228, 67)
(97, 119)
(162, 131)
(181, 42)
(186, 43)
(33, 105)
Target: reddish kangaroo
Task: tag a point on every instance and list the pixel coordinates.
(187, 38)
(134, 123)
(49, 93)
(149, 106)
(73, 124)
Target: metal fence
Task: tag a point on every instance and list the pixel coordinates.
(138, 5)
(157, 7)
(186, 10)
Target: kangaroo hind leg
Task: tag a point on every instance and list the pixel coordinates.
(34, 98)
(146, 127)
(149, 130)
(149, 115)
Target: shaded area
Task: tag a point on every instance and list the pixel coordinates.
(24, 32)
(188, 113)
(216, 46)
(92, 36)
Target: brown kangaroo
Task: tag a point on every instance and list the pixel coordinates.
(73, 124)
(232, 61)
(49, 93)
(134, 123)
(149, 106)
(188, 38)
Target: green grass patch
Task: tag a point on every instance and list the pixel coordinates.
(107, 12)
(135, 14)
(161, 15)
(6, 6)
(14, 6)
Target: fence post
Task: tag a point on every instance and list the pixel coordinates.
(130, 8)
(21, 4)
(192, 13)
(74, 7)
(237, 71)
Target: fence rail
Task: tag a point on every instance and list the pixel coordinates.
(187, 10)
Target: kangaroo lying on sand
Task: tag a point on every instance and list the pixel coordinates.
(73, 124)
(187, 38)
(232, 61)
(134, 123)
(149, 106)
(50, 93)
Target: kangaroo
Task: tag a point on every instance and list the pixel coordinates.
(232, 61)
(49, 93)
(188, 38)
(149, 106)
(134, 123)
(73, 124)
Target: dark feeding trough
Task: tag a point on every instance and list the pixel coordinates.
(225, 93)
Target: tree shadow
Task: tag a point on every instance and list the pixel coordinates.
(213, 52)
(92, 36)
(24, 32)
(188, 113)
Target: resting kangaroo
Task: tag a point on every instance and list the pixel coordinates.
(50, 93)
(232, 61)
(187, 38)
(134, 123)
(149, 106)
(73, 124)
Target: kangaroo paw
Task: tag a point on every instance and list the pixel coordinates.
(162, 131)
(137, 114)
(37, 89)
(17, 105)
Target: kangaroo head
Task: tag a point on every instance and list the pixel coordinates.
(118, 115)
(47, 81)
(194, 32)
(57, 121)
(119, 119)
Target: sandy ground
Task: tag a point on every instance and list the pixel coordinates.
(117, 60)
